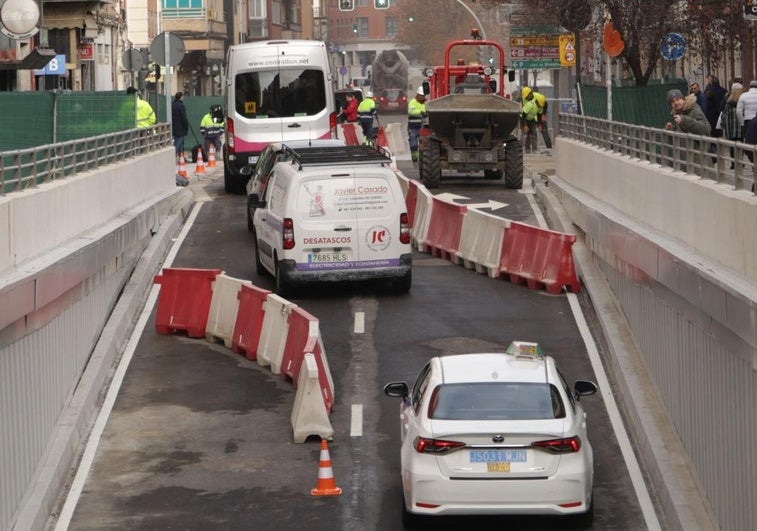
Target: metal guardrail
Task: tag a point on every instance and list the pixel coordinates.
(30, 167)
(724, 161)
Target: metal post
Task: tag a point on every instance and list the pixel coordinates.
(167, 81)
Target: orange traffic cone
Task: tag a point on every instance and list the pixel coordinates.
(326, 485)
(182, 165)
(212, 156)
(200, 166)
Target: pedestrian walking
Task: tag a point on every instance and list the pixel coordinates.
(746, 107)
(366, 112)
(179, 122)
(715, 94)
(729, 121)
(701, 99)
(542, 122)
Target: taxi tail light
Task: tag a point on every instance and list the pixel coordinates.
(288, 234)
(435, 446)
(230, 136)
(404, 228)
(567, 445)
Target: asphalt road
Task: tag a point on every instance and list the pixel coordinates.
(200, 438)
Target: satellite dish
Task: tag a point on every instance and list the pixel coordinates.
(611, 41)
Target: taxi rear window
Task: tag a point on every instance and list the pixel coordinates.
(496, 401)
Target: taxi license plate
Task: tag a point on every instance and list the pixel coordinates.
(319, 258)
(497, 456)
(252, 159)
(497, 466)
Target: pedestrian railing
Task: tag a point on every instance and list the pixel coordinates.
(25, 168)
(724, 161)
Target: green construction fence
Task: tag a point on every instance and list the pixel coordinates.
(38, 118)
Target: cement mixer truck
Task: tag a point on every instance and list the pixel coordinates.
(389, 80)
(470, 122)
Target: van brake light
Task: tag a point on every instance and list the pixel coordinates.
(404, 228)
(332, 125)
(229, 135)
(288, 234)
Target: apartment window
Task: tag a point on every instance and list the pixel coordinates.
(361, 3)
(103, 54)
(258, 27)
(182, 8)
(391, 27)
(362, 26)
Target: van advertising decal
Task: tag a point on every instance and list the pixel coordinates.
(277, 61)
(315, 265)
(378, 238)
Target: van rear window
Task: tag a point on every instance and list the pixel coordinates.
(280, 93)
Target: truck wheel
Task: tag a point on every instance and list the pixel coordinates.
(492, 174)
(431, 170)
(514, 163)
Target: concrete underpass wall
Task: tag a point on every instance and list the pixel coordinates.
(64, 264)
(680, 256)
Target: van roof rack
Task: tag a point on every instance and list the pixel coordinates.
(363, 154)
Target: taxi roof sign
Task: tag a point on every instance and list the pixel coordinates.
(525, 349)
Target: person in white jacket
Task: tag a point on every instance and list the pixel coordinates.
(746, 107)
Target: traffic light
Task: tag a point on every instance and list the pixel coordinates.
(346, 5)
(157, 72)
(381, 4)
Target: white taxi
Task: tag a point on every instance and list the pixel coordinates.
(495, 434)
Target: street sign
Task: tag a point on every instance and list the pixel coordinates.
(176, 49)
(132, 59)
(535, 40)
(673, 46)
(56, 67)
(750, 9)
(536, 64)
(343, 70)
(538, 52)
(567, 50)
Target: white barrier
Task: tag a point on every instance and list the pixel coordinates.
(396, 137)
(423, 207)
(224, 306)
(309, 415)
(273, 335)
(481, 242)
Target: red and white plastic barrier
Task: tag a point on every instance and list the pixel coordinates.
(445, 227)
(422, 218)
(259, 324)
(481, 242)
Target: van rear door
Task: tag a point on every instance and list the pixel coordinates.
(349, 222)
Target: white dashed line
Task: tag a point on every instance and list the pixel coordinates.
(359, 323)
(356, 422)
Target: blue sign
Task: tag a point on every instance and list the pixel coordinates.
(343, 70)
(673, 46)
(56, 67)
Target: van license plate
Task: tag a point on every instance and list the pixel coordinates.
(319, 258)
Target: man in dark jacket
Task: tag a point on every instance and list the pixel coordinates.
(179, 122)
(715, 95)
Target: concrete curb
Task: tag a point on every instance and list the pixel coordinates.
(76, 421)
(657, 445)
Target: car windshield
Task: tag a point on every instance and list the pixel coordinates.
(496, 401)
(280, 93)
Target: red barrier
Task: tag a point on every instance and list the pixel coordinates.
(411, 200)
(539, 257)
(249, 321)
(381, 139)
(301, 339)
(184, 300)
(350, 135)
(445, 227)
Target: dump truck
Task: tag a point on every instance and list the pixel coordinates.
(470, 123)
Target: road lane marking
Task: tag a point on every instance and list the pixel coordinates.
(88, 457)
(359, 327)
(356, 421)
(632, 464)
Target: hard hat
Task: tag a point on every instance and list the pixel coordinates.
(525, 91)
(369, 94)
(420, 91)
(540, 99)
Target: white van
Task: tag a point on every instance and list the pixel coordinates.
(336, 214)
(276, 91)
